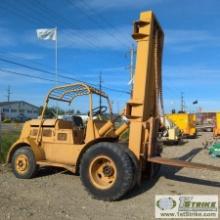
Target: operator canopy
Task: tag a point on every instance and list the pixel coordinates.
(68, 92)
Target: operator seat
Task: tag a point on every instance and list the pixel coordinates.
(78, 130)
(77, 121)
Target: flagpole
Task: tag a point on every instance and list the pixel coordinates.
(51, 34)
(56, 64)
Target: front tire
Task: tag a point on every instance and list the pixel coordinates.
(23, 163)
(106, 171)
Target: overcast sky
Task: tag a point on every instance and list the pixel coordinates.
(95, 35)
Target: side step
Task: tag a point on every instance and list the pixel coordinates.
(65, 166)
(181, 163)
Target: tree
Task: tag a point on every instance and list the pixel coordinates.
(71, 111)
(78, 112)
(51, 111)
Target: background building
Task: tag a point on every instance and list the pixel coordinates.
(18, 110)
(205, 117)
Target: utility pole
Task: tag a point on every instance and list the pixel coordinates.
(118, 108)
(9, 93)
(100, 88)
(182, 104)
(1, 157)
(132, 55)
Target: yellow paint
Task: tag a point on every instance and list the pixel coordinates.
(217, 125)
(102, 172)
(142, 108)
(58, 142)
(185, 122)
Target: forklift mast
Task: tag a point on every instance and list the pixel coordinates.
(144, 108)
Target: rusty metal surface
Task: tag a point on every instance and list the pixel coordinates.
(70, 91)
(181, 163)
(47, 163)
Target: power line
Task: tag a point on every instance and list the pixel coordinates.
(49, 12)
(41, 70)
(29, 76)
(94, 20)
(45, 71)
(7, 60)
(7, 54)
(38, 77)
(26, 66)
(59, 17)
(52, 73)
(102, 18)
(30, 18)
(100, 15)
(60, 75)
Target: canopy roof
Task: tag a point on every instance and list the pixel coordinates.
(68, 92)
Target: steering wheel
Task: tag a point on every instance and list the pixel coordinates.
(99, 110)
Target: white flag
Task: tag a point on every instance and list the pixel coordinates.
(47, 34)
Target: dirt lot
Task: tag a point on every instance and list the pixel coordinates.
(55, 194)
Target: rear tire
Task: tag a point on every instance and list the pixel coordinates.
(23, 163)
(106, 171)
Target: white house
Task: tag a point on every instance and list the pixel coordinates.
(18, 110)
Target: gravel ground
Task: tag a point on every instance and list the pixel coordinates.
(56, 194)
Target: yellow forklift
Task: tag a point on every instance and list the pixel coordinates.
(107, 168)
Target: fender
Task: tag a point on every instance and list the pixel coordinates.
(38, 152)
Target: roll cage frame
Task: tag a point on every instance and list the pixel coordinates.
(67, 93)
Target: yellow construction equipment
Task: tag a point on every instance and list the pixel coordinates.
(185, 122)
(107, 168)
(216, 130)
(194, 118)
(169, 133)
